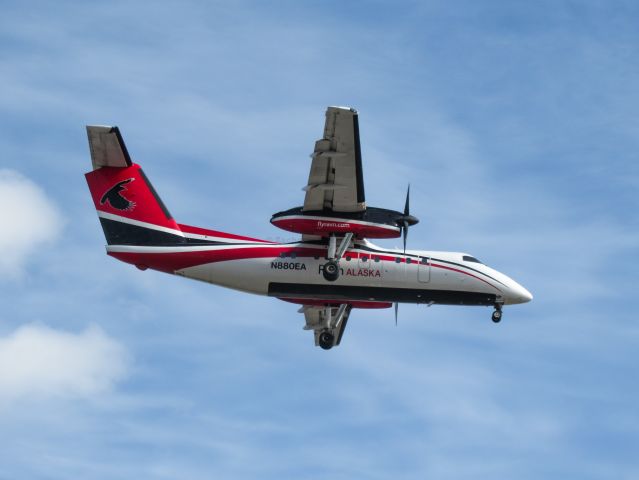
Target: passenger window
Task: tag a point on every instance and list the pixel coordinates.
(283, 255)
(293, 255)
(364, 258)
(348, 258)
(424, 261)
(409, 261)
(398, 260)
(376, 258)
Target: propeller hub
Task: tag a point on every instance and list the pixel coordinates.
(409, 220)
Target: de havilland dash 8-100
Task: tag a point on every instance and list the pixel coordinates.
(330, 271)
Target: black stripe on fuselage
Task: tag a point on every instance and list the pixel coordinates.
(348, 293)
(120, 233)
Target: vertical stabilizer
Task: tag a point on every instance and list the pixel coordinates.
(129, 208)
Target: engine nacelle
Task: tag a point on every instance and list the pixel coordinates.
(371, 223)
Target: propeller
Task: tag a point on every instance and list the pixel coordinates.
(406, 220)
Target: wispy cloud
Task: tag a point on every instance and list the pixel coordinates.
(39, 362)
(30, 220)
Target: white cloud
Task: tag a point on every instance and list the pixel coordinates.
(29, 218)
(39, 362)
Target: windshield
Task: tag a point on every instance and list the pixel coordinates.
(468, 258)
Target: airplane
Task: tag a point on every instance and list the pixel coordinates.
(333, 269)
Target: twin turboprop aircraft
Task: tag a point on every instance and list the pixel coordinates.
(329, 272)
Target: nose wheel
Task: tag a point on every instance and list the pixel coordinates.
(496, 318)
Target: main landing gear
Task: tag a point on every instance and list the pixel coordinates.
(497, 313)
(332, 325)
(326, 340)
(331, 268)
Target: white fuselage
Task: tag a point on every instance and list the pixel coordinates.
(367, 273)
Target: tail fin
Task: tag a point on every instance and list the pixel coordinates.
(130, 210)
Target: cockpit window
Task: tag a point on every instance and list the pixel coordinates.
(468, 258)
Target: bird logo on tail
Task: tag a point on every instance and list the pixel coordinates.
(115, 198)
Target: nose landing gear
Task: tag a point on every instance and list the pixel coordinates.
(496, 318)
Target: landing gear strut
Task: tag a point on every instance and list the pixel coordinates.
(497, 313)
(332, 324)
(331, 268)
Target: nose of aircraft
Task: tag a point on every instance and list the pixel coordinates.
(519, 294)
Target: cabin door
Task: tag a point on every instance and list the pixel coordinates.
(423, 270)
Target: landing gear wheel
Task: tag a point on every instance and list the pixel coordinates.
(331, 271)
(497, 316)
(326, 340)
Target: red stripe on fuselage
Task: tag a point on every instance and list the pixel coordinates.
(465, 273)
(169, 262)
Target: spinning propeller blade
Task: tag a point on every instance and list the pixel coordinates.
(407, 204)
(407, 220)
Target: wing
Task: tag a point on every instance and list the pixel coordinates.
(107, 147)
(317, 319)
(336, 181)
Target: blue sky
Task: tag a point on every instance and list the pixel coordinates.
(514, 122)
